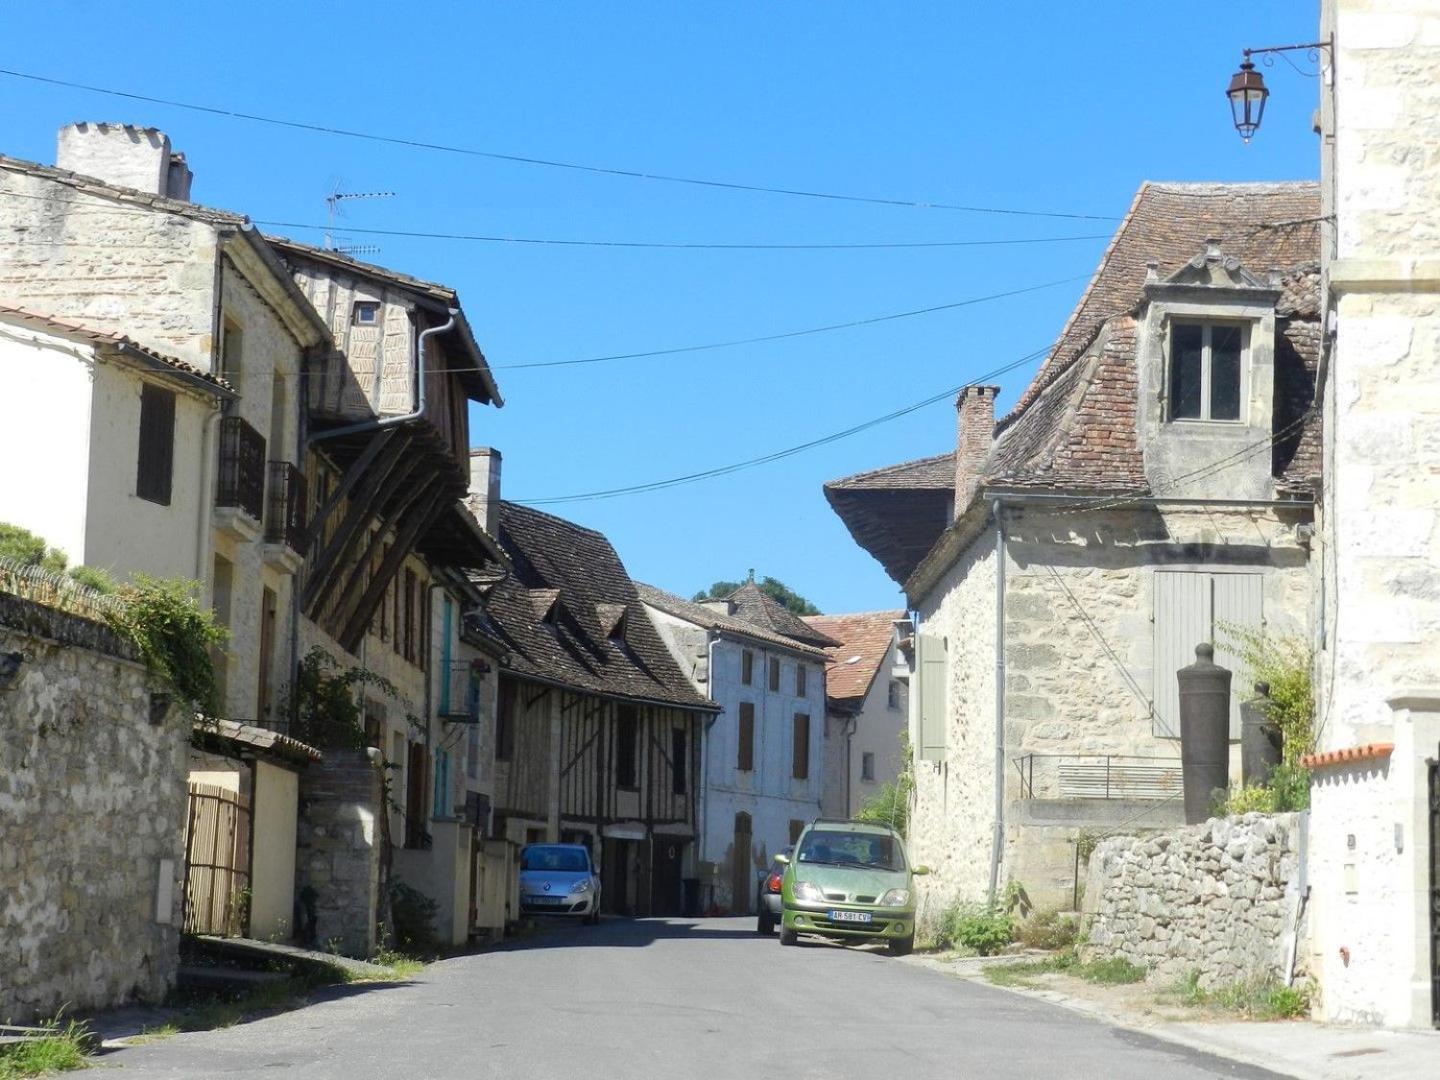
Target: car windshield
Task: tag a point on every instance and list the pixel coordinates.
(874, 851)
(566, 860)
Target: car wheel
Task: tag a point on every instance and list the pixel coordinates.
(788, 936)
(900, 946)
(764, 923)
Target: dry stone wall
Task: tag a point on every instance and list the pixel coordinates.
(92, 820)
(337, 861)
(1217, 899)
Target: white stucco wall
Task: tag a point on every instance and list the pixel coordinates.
(272, 876)
(53, 442)
(878, 729)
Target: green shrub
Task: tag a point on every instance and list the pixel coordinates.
(1263, 998)
(979, 927)
(1288, 791)
(94, 577)
(325, 708)
(1112, 971)
(1048, 930)
(412, 920)
(890, 805)
(174, 635)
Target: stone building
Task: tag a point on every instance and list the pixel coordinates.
(1150, 489)
(1375, 795)
(867, 690)
(762, 756)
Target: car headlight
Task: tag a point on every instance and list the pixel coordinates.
(804, 890)
(581, 886)
(895, 898)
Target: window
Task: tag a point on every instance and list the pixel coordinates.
(774, 674)
(157, 444)
(626, 732)
(678, 763)
(1205, 371)
(796, 828)
(867, 766)
(800, 679)
(800, 757)
(747, 667)
(505, 722)
(365, 313)
(745, 752)
(892, 697)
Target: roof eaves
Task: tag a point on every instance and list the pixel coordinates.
(954, 540)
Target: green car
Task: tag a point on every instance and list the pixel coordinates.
(849, 880)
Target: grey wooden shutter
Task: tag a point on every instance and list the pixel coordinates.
(931, 672)
(157, 444)
(1182, 621)
(1238, 602)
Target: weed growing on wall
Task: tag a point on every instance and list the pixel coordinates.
(325, 708)
(174, 635)
(890, 805)
(1286, 666)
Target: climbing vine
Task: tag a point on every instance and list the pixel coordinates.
(174, 635)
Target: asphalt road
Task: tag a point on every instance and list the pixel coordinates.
(677, 1000)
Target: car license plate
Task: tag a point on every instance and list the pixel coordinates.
(850, 916)
(545, 900)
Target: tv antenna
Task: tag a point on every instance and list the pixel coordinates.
(332, 210)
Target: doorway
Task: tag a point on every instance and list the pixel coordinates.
(666, 887)
(618, 872)
(740, 866)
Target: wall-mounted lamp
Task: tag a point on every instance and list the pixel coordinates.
(10, 668)
(1247, 91)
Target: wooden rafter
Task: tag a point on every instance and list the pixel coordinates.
(418, 521)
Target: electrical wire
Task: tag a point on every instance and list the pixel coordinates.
(791, 333)
(765, 459)
(633, 174)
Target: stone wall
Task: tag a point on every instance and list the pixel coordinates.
(92, 820)
(1217, 899)
(339, 847)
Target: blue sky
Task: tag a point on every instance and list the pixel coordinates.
(1040, 107)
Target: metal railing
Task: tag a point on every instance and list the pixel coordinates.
(285, 521)
(1098, 776)
(242, 467)
(459, 697)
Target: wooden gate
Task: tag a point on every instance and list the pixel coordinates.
(217, 862)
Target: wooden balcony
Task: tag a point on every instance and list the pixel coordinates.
(242, 468)
(286, 517)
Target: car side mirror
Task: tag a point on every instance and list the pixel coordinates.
(920, 871)
(783, 860)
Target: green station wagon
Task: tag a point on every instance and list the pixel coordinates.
(848, 880)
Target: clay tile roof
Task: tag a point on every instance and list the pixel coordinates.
(710, 619)
(864, 642)
(1347, 756)
(248, 736)
(1074, 427)
(754, 607)
(154, 360)
(553, 558)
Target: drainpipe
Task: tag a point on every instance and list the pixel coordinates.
(208, 467)
(392, 421)
(997, 839)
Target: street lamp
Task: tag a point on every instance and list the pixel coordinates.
(1247, 96)
(1247, 91)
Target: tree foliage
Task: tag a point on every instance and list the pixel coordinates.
(24, 547)
(777, 590)
(174, 635)
(890, 805)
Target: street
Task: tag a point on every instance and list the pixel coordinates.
(676, 999)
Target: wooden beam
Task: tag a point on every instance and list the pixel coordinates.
(373, 493)
(354, 629)
(348, 481)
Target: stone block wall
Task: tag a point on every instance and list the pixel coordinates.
(92, 821)
(338, 849)
(1218, 899)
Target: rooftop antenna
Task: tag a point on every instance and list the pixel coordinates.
(332, 208)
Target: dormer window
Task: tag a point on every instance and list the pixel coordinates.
(365, 313)
(1206, 371)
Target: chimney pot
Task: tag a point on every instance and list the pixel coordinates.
(484, 497)
(975, 432)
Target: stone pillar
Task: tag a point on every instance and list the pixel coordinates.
(337, 862)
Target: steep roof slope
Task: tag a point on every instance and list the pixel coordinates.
(569, 614)
(864, 641)
(754, 607)
(710, 619)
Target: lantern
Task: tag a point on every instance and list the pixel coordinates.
(1247, 96)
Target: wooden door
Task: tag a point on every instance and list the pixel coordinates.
(740, 872)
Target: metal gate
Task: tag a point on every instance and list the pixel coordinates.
(1434, 769)
(217, 862)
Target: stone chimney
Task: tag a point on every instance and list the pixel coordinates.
(975, 431)
(126, 156)
(484, 498)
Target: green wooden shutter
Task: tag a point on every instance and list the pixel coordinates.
(931, 670)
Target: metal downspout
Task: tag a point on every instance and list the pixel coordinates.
(997, 839)
(209, 465)
(392, 421)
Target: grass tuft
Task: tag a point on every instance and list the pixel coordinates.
(1109, 972)
(1262, 998)
(61, 1051)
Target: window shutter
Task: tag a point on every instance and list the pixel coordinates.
(1182, 621)
(1238, 604)
(745, 754)
(932, 674)
(157, 444)
(800, 754)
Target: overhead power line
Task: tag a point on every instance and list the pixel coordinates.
(794, 333)
(790, 451)
(633, 174)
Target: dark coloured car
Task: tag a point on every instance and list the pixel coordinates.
(768, 905)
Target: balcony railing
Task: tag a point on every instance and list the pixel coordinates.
(460, 691)
(1098, 776)
(285, 521)
(242, 467)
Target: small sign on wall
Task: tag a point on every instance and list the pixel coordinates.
(165, 893)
